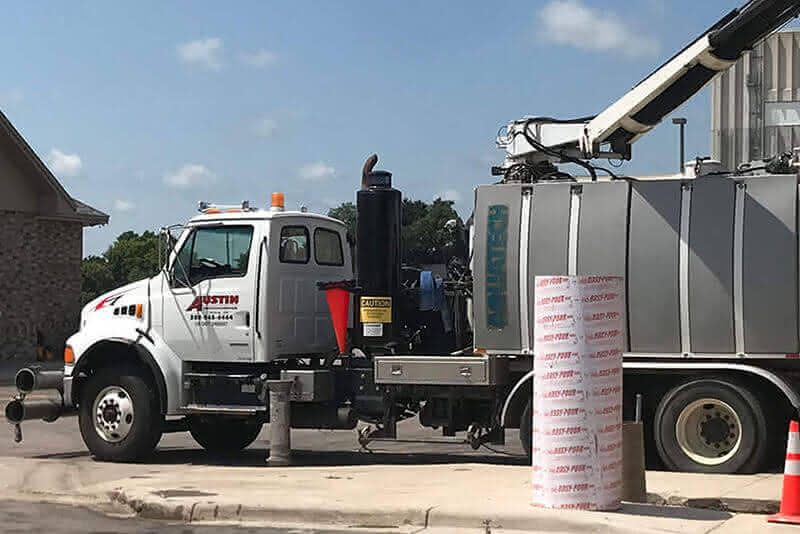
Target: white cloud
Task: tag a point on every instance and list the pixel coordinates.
(260, 59)
(206, 53)
(264, 126)
(571, 23)
(316, 171)
(449, 194)
(123, 205)
(64, 165)
(190, 175)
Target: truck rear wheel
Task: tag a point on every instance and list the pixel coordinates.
(711, 426)
(525, 433)
(119, 415)
(224, 435)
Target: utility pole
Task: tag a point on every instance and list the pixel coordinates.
(682, 122)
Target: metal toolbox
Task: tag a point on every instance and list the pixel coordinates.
(310, 385)
(441, 370)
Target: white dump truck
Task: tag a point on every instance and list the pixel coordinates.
(711, 264)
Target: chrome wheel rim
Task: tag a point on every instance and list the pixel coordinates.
(709, 431)
(113, 414)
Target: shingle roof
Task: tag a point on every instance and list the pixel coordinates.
(86, 214)
(91, 215)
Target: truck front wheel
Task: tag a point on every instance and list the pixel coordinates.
(223, 435)
(119, 416)
(711, 426)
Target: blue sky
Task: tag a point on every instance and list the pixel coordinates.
(142, 109)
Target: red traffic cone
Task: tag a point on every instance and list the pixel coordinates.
(790, 499)
(338, 304)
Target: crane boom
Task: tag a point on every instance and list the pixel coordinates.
(610, 134)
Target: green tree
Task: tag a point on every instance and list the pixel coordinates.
(424, 236)
(345, 212)
(96, 278)
(131, 257)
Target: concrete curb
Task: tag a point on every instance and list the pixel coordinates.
(155, 507)
(152, 506)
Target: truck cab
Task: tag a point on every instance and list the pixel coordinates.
(240, 286)
(237, 293)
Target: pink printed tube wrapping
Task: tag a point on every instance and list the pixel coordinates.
(579, 339)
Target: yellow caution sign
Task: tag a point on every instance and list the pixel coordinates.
(376, 309)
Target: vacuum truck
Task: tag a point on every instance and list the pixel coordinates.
(710, 263)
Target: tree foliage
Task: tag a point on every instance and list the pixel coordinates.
(424, 237)
(131, 257)
(345, 212)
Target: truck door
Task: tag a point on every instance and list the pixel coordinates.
(302, 252)
(209, 307)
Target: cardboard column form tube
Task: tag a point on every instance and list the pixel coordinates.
(577, 392)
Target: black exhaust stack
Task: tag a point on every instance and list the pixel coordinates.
(378, 258)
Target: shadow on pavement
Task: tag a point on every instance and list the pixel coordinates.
(307, 458)
(62, 455)
(677, 512)
(256, 457)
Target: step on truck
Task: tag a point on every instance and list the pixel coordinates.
(710, 263)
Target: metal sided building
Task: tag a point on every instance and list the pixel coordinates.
(755, 105)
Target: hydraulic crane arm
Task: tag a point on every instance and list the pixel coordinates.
(610, 134)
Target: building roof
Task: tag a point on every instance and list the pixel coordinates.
(89, 214)
(85, 214)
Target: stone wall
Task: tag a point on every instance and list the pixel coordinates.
(40, 283)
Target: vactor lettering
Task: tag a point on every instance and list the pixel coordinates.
(207, 301)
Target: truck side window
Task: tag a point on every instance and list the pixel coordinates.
(221, 251)
(294, 244)
(328, 247)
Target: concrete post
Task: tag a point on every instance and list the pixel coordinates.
(634, 486)
(280, 445)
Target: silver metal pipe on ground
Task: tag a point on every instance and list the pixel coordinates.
(32, 378)
(19, 410)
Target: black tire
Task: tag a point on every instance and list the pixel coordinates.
(146, 422)
(525, 424)
(751, 454)
(224, 435)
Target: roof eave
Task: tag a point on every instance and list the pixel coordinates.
(34, 159)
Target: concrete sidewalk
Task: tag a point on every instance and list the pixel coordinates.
(454, 496)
